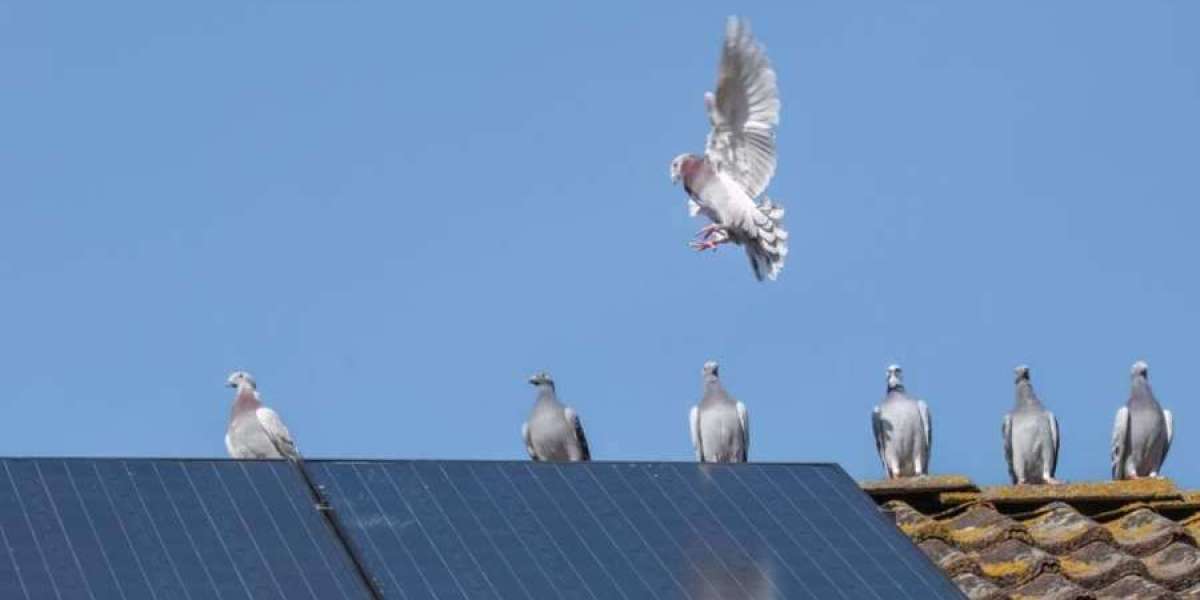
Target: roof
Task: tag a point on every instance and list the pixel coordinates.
(169, 528)
(1126, 539)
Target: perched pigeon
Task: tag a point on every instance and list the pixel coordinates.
(903, 430)
(720, 425)
(553, 431)
(1142, 432)
(739, 157)
(255, 431)
(1030, 436)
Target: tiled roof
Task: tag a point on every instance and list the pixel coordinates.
(1130, 539)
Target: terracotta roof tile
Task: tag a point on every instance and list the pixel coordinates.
(1049, 586)
(1133, 587)
(1094, 540)
(1143, 531)
(978, 588)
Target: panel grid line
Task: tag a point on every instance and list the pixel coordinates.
(157, 535)
(37, 466)
(511, 527)
(608, 535)
(371, 542)
(212, 523)
(824, 538)
(32, 532)
(557, 546)
(309, 535)
(711, 550)
(282, 538)
(92, 528)
(449, 523)
(788, 532)
(246, 527)
(503, 556)
(635, 529)
(758, 531)
(724, 527)
(188, 534)
(16, 567)
(124, 532)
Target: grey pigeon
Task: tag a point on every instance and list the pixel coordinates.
(553, 431)
(1142, 432)
(903, 430)
(1030, 436)
(720, 425)
(255, 431)
(739, 158)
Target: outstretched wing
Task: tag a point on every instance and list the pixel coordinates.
(278, 432)
(1006, 432)
(573, 419)
(1054, 436)
(743, 112)
(744, 419)
(1119, 449)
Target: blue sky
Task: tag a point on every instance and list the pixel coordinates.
(392, 214)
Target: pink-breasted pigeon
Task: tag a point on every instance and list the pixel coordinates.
(255, 431)
(739, 158)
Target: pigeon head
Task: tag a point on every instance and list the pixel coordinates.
(677, 167)
(237, 378)
(541, 378)
(895, 376)
(1022, 373)
(711, 369)
(1140, 369)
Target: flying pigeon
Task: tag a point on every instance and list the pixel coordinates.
(720, 425)
(1030, 436)
(739, 157)
(903, 430)
(553, 431)
(255, 431)
(1142, 432)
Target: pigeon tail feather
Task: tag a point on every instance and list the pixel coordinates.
(768, 248)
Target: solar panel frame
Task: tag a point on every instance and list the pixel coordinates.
(510, 529)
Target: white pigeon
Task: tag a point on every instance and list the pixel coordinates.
(255, 431)
(1030, 436)
(739, 157)
(1143, 430)
(903, 430)
(720, 424)
(553, 431)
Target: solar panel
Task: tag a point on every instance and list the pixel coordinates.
(465, 529)
(157, 529)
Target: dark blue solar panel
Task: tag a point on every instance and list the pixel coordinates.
(158, 529)
(434, 529)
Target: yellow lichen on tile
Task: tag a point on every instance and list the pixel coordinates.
(1075, 569)
(1008, 569)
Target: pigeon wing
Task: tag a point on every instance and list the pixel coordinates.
(1006, 432)
(277, 432)
(878, 429)
(1119, 449)
(694, 421)
(1054, 438)
(927, 422)
(1170, 421)
(528, 441)
(577, 429)
(744, 419)
(744, 111)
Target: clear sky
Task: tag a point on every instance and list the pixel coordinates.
(393, 213)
